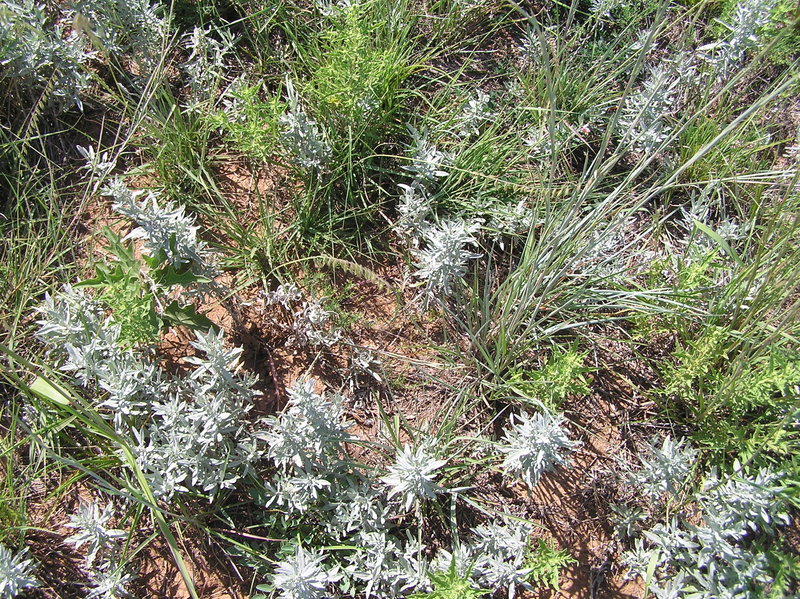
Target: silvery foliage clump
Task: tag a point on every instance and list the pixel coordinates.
(542, 141)
(231, 100)
(695, 246)
(714, 558)
(413, 474)
(306, 445)
(413, 209)
(535, 444)
(16, 572)
(84, 343)
(636, 559)
(685, 68)
(91, 522)
(110, 576)
(363, 363)
(314, 478)
(98, 166)
(36, 55)
(700, 208)
(700, 562)
(499, 551)
(368, 105)
(110, 583)
(747, 504)
(426, 160)
(708, 208)
(530, 48)
(286, 294)
(443, 259)
(507, 223)
(221, 369)
(304, 576)
(664, 470)
(312, 326)
(386, 566)
(510, 221)
(465, 5)
(301, 135)
(643, 120)
(334, 8)
(316, 482)
(197, 438)
(426, 164)
(475, 113)
(749, 18)
(167, 230)
(355, 507)
(493, 555)
(461, 553)
(205, 67)
(628, 519)
(604, 8)
(134, 28)
(189, 433)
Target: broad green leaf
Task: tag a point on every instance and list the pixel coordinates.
(105, 276)
(49, 391)
(186, 316)
(169, 277)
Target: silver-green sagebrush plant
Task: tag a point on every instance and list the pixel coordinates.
(169, 234)
(412, 475)
(535, 445)
(16, 573)
(747, 21)
(442, 262)
(305, 443)
(722, 555)
(303, 576)
(644, 119)
(188, 433)
(136, 28)
(301, 135)
(426, 161)
(500, 551)
(665, 469)
(90, 522)
(36, 55)
(108, 573)
(205, 67)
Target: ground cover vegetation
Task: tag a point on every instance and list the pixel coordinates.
(359, 298)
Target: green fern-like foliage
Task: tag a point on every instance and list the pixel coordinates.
(249, 121)
(546, 563)
(449, 585)
(359, 70)
(696, 363)
(770, 382)
(706, 368)
(563, 375)
(122, 290)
